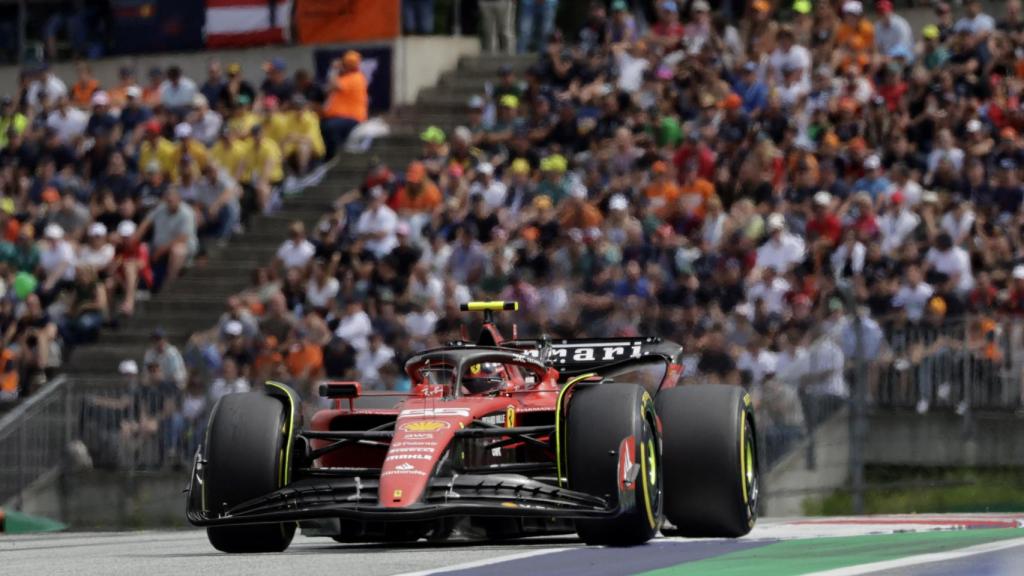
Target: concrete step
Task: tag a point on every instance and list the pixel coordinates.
(457, 94)
(491, 62)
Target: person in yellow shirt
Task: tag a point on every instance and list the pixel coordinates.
(229, 153)
(156, 148)
(275, 122)
(188, 146)
(263, 168)
(242, 120)
(305, 142)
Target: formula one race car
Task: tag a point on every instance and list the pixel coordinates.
(496, 439)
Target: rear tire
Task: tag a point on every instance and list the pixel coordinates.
(711, 464)
(244, 452)
(599, 421)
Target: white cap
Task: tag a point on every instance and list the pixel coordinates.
(97, 229)
(133, 92)
(377, 192)
(822, 198)
(462, 133)
(233, 328)
(618, 202)
(578, 191)
(929, 197)
(182, 130)
(53, 231)
(126, 228)
(872, 162)
(576, 235)
(776, 221)
(200, 100)
(853, 7)
(1018, 272)
(128, 367)
(100, 98)
(485, 168)
(974, 125)
(701, 6)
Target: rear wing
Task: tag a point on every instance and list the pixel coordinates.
(582, 355)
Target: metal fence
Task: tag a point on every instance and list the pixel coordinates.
(33, 437)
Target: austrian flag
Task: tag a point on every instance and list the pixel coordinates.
(247, 22)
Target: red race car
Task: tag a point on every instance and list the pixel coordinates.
(497, 439)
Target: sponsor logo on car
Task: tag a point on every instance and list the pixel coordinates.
(418, 437)
(409, 457)
(434, 412)
(605, 352)
(403, 473)
(405, 466)
(394, 450)
(404, 444)
(424, 426)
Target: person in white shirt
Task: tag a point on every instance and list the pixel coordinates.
(322, 286)
(354, 326)
(45, 89)
(296, 251)
(56, 258)
(758, 361)
(952, 261)
(892, 31)
(369, 361)
(424, 287)
(896, 224)
(903, 184)
(913, 295)
(229, 382)
(97, 253)
(958, 223)
(67, 121)
(632, 63)
(178, 91)
(490, 188)
(945, 150)
(975, 22)
(771, 289)
(378, 224)
(782, 250)
(420, 323)
(848, 257)
(789, 55)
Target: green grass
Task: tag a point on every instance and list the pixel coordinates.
(929, 491)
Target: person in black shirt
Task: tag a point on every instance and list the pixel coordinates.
(277, 82)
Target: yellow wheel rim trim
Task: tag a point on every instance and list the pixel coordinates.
(743, 454)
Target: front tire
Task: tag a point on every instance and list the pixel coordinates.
(614, 452)
(244, 455)
(711, 464)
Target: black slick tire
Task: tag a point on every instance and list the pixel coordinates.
(710, 460)
(244, 452)
(612, 429)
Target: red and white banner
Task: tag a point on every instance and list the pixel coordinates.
(247, 22)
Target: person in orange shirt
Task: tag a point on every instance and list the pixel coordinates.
(576, 212)
(662, 191)
(855, 32)
(694, 192)
(83, 89)
(347, 104)
(418, 194)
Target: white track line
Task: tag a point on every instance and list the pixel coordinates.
(484, 562)
(873, 567)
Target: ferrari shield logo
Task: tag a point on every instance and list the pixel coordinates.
(510, 417)
(424, 426)
(397, 494)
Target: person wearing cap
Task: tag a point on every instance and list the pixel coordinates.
(276, 82)
(156, 149)
(855, 32)
(11, 120)
(56, 261)
(823, 227)
(521, 187)
(418, 194)
(119, 93)
(783, 250)
(667, 30)
(177, 91)
(622, 27)
(85, 85)
(237, 91)
(131, 266)
(873, 181)
(229, 152)
(102, 120)
(213, 85)
(347, 102)
(304, 143)
(187, 145)
(945, 151)
(97, 252)
(934, 53)
(1014, 303)
(490, 188)
(497, 23)
(166, 355)
(892, 31)
(505, 123)
(205, 123)
(750, 88)
(789, 57)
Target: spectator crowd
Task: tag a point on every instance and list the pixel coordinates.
(108, 193)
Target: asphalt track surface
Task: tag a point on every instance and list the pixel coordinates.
(844, 547)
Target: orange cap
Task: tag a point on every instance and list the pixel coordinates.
(415, 173)
(732, 101)
(1008, 132)
(351, 58)
(51, 195)
(858, 143)
(761, 5)
(659, 167)
(831, 139)
(530, 233)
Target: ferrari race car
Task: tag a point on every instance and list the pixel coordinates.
(496, 439)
